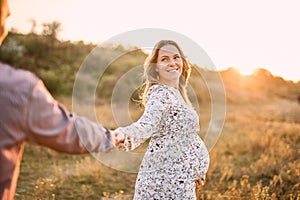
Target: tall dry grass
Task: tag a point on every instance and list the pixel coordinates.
(256, 157)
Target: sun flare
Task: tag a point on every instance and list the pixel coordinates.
(246, 71)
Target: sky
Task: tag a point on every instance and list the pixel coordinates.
(234, 33)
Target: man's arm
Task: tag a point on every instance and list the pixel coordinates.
(51, 125)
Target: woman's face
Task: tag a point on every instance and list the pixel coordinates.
(169, 65)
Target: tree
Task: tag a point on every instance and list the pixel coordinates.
(33, 26)
(52, 29)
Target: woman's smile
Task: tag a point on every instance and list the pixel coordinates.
(172, 70)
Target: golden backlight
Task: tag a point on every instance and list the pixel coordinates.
(246, 71)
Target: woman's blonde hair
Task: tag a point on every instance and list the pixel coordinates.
(151, 75)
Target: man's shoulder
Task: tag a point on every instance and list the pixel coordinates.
(16, 85)
(11, 76)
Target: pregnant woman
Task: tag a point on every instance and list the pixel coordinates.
(176, 158)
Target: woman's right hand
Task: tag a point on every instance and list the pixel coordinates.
(117, 137)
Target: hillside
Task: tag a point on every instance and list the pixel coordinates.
(57, 63)
(256, 156)
(260, 86)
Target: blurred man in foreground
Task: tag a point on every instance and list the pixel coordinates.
(30, 113)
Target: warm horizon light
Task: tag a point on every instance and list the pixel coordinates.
(251, 71)
(247, 35)
(246, 71)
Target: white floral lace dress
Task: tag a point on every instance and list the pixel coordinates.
(176, 156)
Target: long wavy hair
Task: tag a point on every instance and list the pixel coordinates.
(151, 75)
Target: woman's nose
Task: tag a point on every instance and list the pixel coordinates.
(172, 62)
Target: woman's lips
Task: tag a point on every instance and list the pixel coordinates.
(172, 70)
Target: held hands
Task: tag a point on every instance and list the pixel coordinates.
(117, 137)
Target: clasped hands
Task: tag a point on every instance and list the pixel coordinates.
(117, 137)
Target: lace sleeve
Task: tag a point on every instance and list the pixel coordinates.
(157, 103)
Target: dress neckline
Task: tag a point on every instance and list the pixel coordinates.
(169, 86)
(176, 92)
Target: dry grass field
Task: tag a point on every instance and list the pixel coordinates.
(256, 157)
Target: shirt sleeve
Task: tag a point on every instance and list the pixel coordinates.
(149, 123)
(51, 125)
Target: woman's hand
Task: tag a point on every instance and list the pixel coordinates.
(200, 182)
(117, 137)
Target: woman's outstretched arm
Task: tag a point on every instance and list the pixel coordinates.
(157, 104)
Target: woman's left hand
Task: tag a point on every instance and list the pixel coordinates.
(200, 182)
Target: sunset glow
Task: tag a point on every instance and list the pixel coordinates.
(230, 33)
(245, 71)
